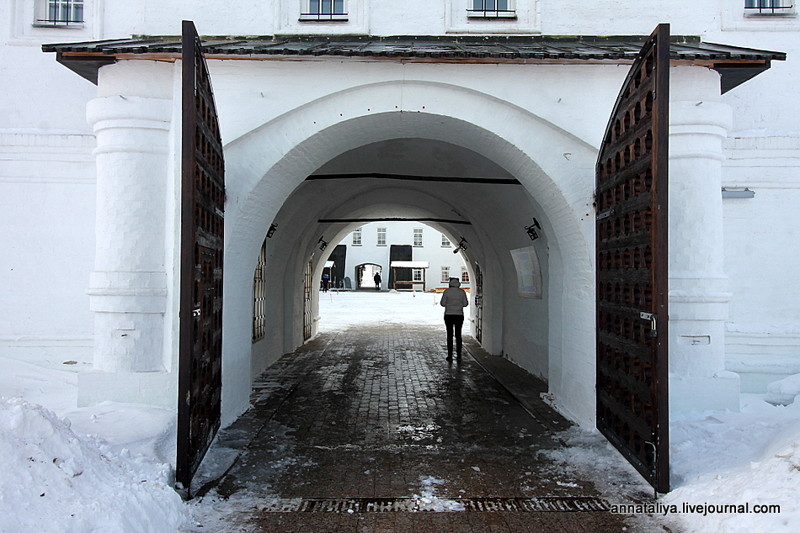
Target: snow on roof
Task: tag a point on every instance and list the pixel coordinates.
(410, 264)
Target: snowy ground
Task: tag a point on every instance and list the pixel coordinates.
(107, 468)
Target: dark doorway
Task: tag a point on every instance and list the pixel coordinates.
(338, 256)
(399, 252)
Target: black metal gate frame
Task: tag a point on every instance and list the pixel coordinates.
(632, 262)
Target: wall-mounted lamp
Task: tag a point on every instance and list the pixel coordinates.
(738, 193)
(462, 245)
(322, 243)
(531, 230)
(271, 230)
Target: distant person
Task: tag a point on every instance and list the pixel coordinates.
(377, 280)
(454, 300)
(325, 281)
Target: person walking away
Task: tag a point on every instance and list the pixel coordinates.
(377, 280)
(454, 300)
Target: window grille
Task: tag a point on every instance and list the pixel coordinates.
(325, 10)
(417, 236)
(417, 274)
(464, 275)
(445, 241)
(381, 236)
(59, 12)
(260, 295)
(491, 9)
(357, 237)
(768, 7)
(445, 274)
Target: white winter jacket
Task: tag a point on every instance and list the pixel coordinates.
(454, 299)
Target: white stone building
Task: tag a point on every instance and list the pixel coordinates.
(369, 250)
(483, 117)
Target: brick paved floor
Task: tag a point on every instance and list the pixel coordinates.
(377, 415)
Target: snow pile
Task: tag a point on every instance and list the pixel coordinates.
(783, 391)
(428, 501)
(54, 388)
(56, 481)
(747, 460)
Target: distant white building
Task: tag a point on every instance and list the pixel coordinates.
(635, 249)
(375, 247)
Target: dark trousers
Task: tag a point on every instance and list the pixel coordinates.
(453, 324)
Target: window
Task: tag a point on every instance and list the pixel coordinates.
(445, 274)
(381, 236)
(464, 275)
(417, 272)
(768, 7)
(491, 9)
(59, 12)
(445, 241)
(325, 10)
(357, 237)
(260, 295)
(417, 236)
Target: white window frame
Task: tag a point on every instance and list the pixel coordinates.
(416, 274)
(445, 241)
(381, 237)
(464, 275)
(737, 17)
(417, 237)
(308, 14)
(59, 13)
(445, 274)
(357, 237)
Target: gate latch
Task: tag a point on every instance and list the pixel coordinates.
(196, 312)
(653, 323)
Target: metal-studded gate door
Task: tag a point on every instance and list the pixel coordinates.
(202, 224)
(631, 196)
(478, 303)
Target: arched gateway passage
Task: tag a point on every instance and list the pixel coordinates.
(457, 160)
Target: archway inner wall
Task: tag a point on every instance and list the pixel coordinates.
(555, 167)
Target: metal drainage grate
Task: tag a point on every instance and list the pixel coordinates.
(384, 505)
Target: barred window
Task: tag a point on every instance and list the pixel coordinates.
(491, 9)
(417, 236)
(325, 10)
(445, 274)
(464, 275)
(260, 294)
(381, 236)
(357, 237)
(59, 12)
(768, 7)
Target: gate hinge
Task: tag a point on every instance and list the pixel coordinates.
(653, 318)
(605, 214)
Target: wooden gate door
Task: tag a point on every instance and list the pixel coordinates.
(631, 196)
(478, 303)
(202, 224)
(308, 287)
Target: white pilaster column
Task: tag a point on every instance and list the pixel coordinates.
(698, 287)
(128, 287)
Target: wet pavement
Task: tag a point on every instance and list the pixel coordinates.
(371, 430)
